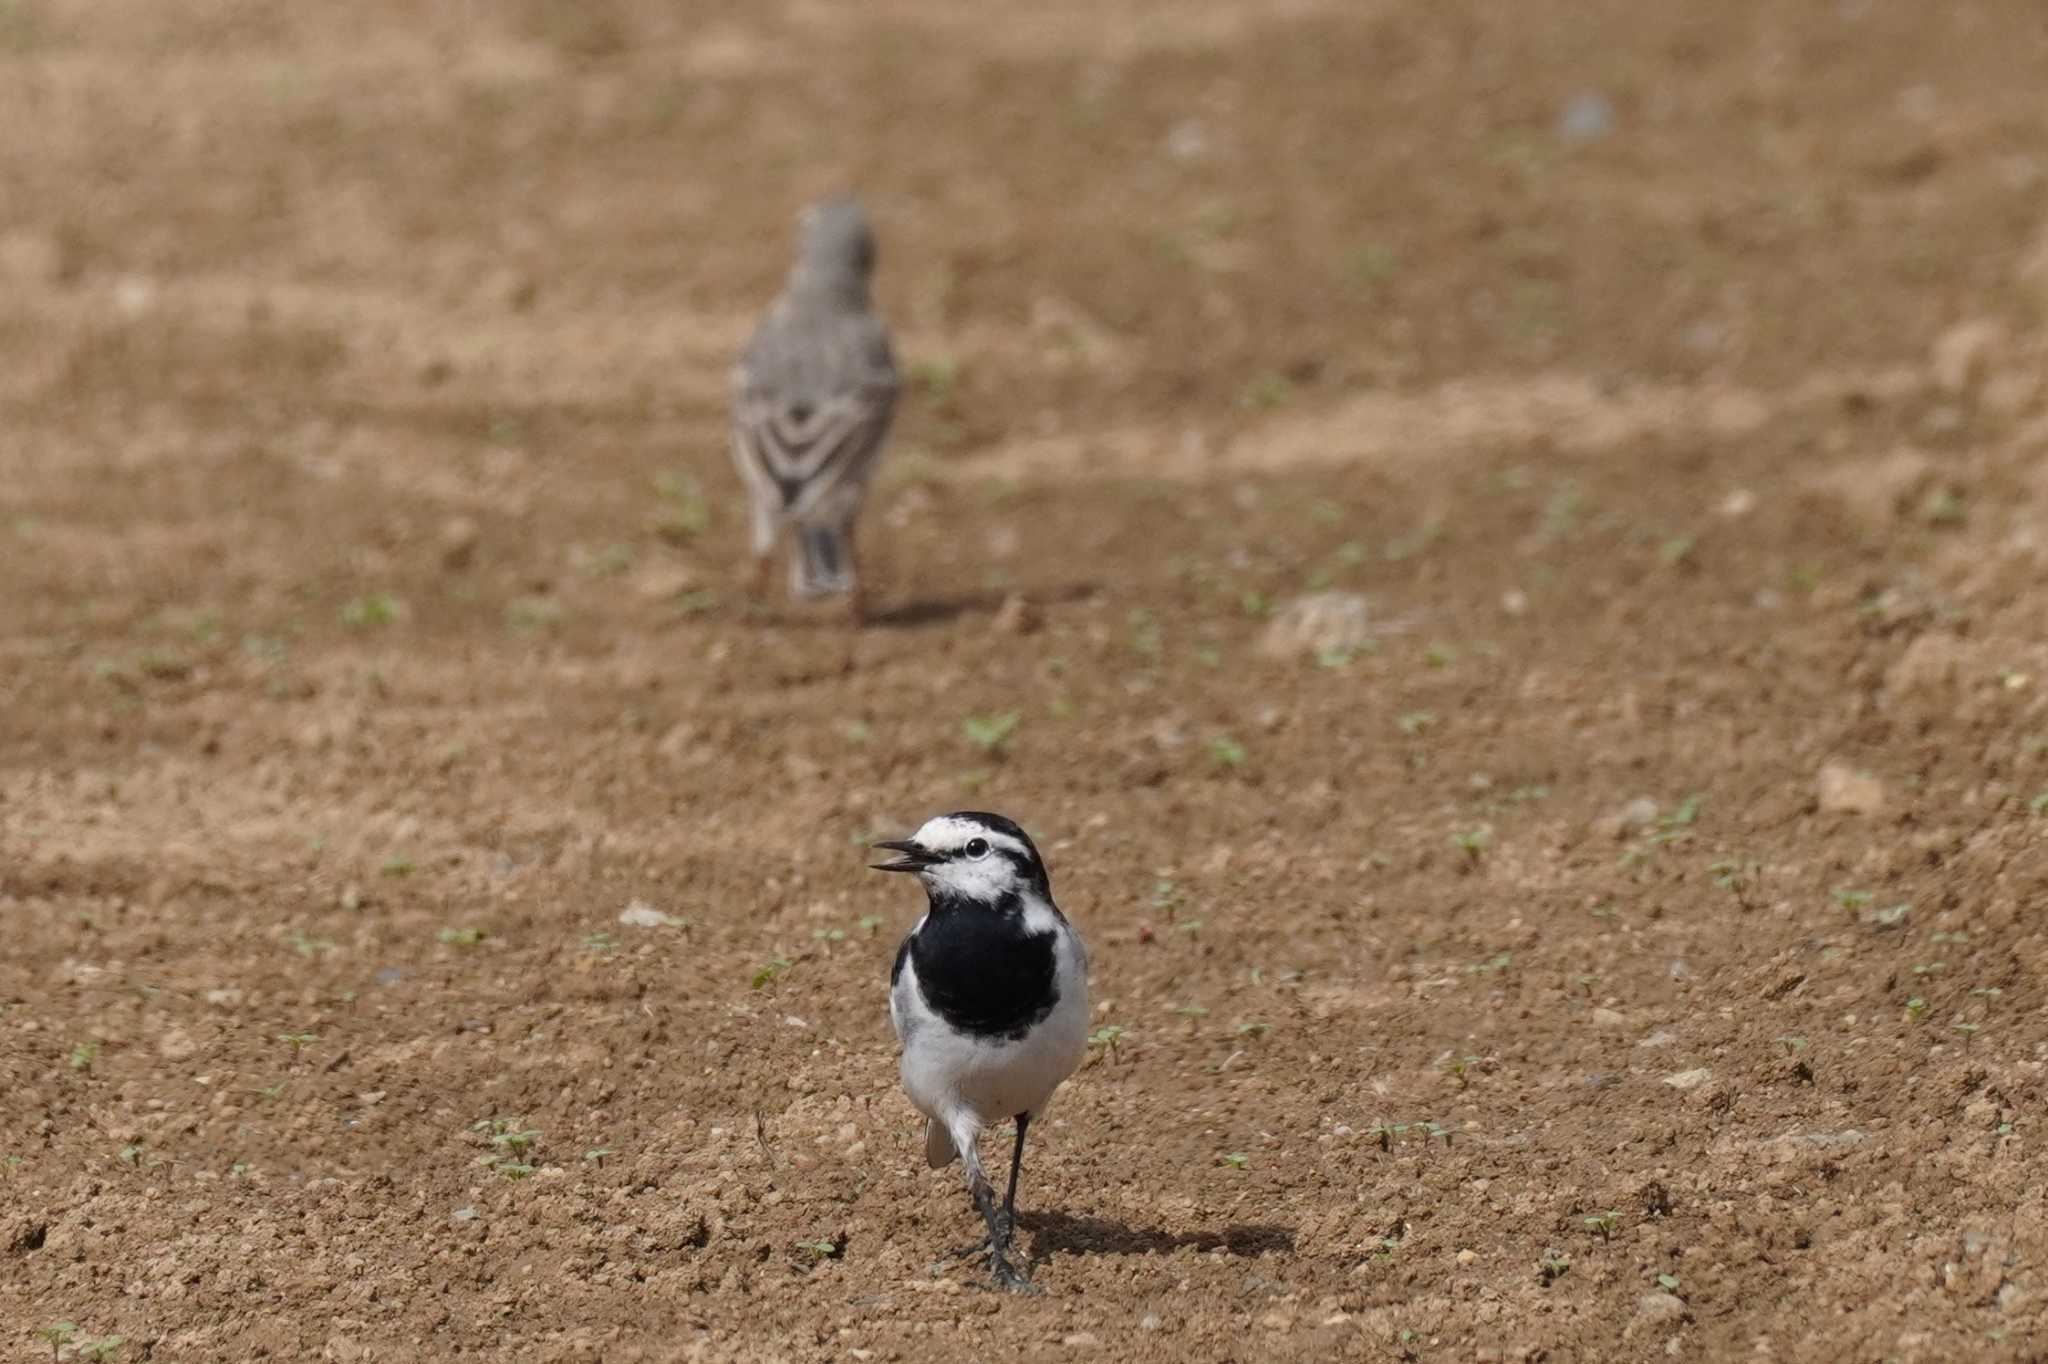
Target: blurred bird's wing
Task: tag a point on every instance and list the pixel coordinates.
(812, 401)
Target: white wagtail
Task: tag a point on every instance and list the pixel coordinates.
(989, 997)
(812, 397)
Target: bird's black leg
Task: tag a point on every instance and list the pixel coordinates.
(1007, 1220)
(1006, 1274)
(1016, 1164)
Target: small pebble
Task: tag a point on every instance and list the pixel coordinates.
(1587, 118)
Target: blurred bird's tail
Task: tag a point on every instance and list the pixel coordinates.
(823, 563)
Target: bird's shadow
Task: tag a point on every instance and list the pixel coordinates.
(918, 611)
(1059, 1233)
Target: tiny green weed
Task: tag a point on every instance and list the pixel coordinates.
(990, 733)
(369, 612)
(683, 514)
(57, 1335)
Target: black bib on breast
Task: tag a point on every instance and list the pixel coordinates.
(982, 970)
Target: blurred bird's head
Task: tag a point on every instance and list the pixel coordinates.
(971, 856)
(837, 245)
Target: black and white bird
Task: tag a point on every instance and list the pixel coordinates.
(812, 397)
(989, 997)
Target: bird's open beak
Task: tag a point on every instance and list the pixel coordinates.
(914, 858)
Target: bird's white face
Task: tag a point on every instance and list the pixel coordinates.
(967, 859)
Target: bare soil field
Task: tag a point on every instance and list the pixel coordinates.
(435, 914)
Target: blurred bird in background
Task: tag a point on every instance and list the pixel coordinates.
(813, 394)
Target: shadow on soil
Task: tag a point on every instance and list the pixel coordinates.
(1056, 1233)
(937, 610)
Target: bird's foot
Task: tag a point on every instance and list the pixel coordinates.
(1010, 1278)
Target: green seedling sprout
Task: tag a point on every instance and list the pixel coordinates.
(57, 1335)
(1415, 722)
(1145, 635)
(597, 1155)
(378, 608)
(1105, 1038)
(870, 924)
(297, 1041)
(1554, 1265)
(823, 1248)
(1668, 1282)
(98, 1347)
(1603, 1224)
(775, 967)
(990, 733)
(1254, 1029)
(1236, 1160)
(1473, 843)
(83, 1055)
(1226, 751)
(1915, 1007)
(460, 937)
(684, 512)
(1737, 878)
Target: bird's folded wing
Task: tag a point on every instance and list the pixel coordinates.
(805, 451)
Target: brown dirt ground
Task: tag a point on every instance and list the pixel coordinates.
(357, 671)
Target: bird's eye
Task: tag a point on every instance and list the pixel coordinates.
(976, 848)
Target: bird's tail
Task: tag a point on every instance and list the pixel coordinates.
(938, 1145)
(823, 563)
